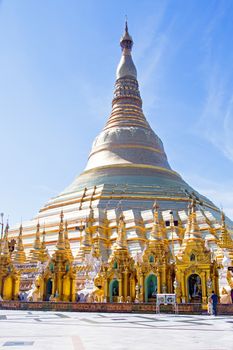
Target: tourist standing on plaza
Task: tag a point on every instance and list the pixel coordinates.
(210, 305)
(214, 299)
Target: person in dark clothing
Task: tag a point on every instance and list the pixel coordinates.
(214, 299)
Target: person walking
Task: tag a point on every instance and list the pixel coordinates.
(214, 299)
(210, 306)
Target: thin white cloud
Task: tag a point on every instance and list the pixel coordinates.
(153, 47)
(221, 193)
(157, 43)
(210, 27)
(149, 30)
(216, 121)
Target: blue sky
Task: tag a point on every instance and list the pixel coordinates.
(57, 71)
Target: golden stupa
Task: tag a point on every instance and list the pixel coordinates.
(148, 229)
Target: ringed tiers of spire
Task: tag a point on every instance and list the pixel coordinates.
(127, 140)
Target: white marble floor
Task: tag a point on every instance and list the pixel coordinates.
(24, 330)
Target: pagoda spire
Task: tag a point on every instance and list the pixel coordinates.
(60, 253)
(187, 229)
(121, 242)
(85, 243)
(19, 253)
(97, 247)
(67, 242)
(156, 233)
(44, 250)
(5, 250)
(43, 240)
(194, 227)
(89, 221)
(35, 253)
(225, 240)
(127, 140)
(127, 102)
(192, 231)
(37, 242)
(86, 238)
(61, 242)
(188, 225)
(194, 245)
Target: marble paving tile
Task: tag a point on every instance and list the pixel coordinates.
(40, 330)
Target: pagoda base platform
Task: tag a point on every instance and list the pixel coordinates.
(187, 309)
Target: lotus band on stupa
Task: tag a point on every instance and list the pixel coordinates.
(127, 228)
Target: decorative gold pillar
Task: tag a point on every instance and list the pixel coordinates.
(53, 280)
(217, 282)
(186, 283)
(1, 283)
(7, 288)
(132, 288)
(16, 288)
(73, 284)
(42, 288)
(66, 288)
(182, 286)
(214, 283)
(106, 289)
(60, 286)
(125, 284)
(159, 282)
(164, 280)
(178, 287)
(169, 287)
(120, 287)
(141, 283)
(209, 283)
(203, 287)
